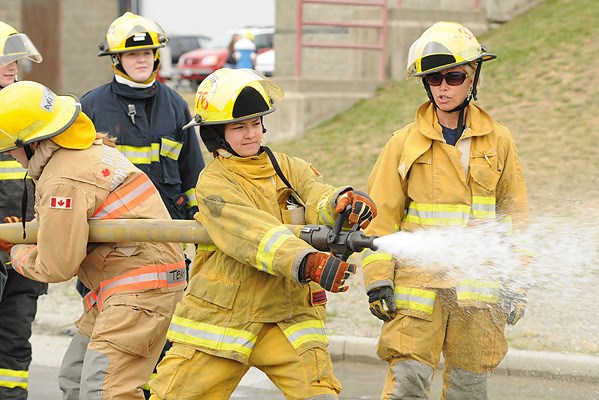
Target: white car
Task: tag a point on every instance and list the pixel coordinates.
(265, 62)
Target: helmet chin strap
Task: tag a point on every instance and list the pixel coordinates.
(24, 197)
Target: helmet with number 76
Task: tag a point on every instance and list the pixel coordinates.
(232, 95)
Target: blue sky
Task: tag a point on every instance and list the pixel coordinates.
(208, 17)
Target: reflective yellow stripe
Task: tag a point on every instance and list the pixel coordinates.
(147, 386)
(206, 247)
(370, 256)
(307, 331)
(213, 337)
(191, 195)
(10, 378)
(438, 214)
(141, 155)
(269, 245)
(12, 170)
(415, 299)
(323, 213)
(478, 290)
(483, 207)
(170, 148)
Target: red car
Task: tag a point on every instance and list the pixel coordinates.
(197, 64)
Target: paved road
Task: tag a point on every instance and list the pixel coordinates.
(363, 381)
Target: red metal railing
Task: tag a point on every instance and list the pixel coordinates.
(382, 26)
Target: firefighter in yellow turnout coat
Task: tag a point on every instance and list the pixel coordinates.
(135, 286)
(453, 166)
(253, 298)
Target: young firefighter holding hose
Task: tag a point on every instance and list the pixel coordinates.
(257, 296)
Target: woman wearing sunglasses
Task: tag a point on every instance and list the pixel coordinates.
(453, 167)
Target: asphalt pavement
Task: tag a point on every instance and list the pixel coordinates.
(521, 376)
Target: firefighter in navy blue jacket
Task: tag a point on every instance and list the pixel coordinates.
(146, 116)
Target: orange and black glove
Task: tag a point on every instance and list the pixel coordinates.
(327, 270)
(382, 303)
(363, 209)
(12, 220)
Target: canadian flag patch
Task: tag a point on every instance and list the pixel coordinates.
(61, 202)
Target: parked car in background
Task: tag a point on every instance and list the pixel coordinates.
(197, 64)
(180, 44)
(177, 45)
(265, 62)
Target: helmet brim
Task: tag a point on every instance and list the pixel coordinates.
(67, 110)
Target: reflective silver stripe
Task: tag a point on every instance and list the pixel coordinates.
(415, 299)
(12, 170)
(141, 155)
(191, 196)
(146, 277)
(483, 207)
(269, 245)
(438, 214)
(11, 378)
(307, 331)
(125, 200)
(211, 336)
(170, 148)
(479, 291)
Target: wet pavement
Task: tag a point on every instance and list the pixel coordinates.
(363, 381)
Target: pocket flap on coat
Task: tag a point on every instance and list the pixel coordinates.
(219, 292)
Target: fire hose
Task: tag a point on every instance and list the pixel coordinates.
(342, 243)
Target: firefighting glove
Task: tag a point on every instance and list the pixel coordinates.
(380, 297)
(363, 209)
(514, 304)
(6, 246)
(327, 270)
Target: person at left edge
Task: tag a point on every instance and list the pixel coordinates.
(80, 176)
(18, 304)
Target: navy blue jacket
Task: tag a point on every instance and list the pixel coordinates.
(148, 126)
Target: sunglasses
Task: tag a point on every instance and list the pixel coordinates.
(452, 78)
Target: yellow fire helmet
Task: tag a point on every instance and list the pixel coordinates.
(132, 32)
(444, 45)
(231, 95)
(15, 45)
(31, 112)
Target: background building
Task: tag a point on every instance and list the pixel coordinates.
(319, 81)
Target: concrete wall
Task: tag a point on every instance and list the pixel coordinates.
(67, 33)
(83, 69)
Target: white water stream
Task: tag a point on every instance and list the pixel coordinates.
(562, 313)
(563, 251)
